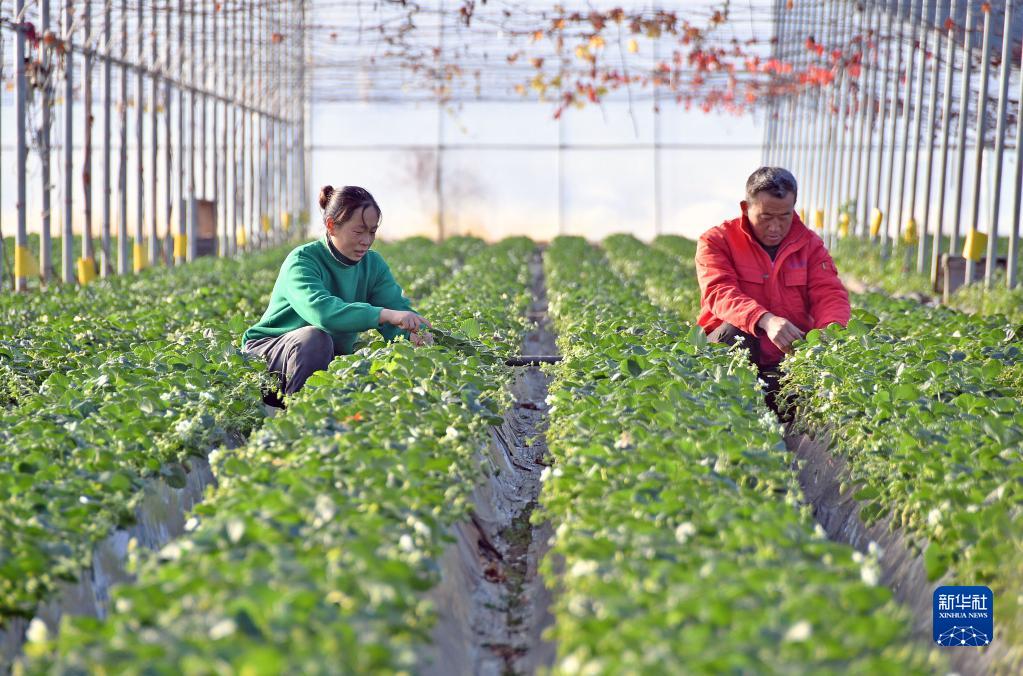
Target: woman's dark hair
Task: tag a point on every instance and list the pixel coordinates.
(341, 205)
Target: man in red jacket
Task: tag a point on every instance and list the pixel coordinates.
(765, 278)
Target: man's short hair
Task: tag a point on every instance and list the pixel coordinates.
(775, 181)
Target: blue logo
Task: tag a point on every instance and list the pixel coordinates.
(964, 616)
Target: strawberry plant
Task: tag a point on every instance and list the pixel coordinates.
(923, 403)
(681, 527)
(315, 549)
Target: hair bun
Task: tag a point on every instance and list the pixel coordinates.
(325, 194)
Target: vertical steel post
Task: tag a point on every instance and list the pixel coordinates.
(168, 149)
(67, 232)
(892, 134)
(978, 158)
(153, 251)
(1012, 272)
(122, 178)
(1003, 96)
(918, 121)
(964, 113)
(138, 250)
(212, 69)
(946, 132)
(182, 196)
(863, 173)
(439, 171)
(106, 256)
(852, 121)
(20, 93)
(883, 108)
(203, 102)
(907, 95)
(932, 117)
(193, 100)
(88, 257)
(46, 152)
(236, 81)
(252, 138)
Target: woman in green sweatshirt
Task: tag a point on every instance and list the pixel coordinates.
(328, 291)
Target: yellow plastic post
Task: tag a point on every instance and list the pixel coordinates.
(25, 264)
(86, 270)
(140, 260)
(240, 236)
(909, 235)
(843, 224)
(285, 220)
(818, 219)
(975, 245)
(265, 220)
(876, 219)
(180, 246)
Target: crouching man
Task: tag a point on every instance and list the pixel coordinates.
(765, 278)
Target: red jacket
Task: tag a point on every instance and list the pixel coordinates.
(739, 282)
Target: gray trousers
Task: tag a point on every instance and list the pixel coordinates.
(294, 356)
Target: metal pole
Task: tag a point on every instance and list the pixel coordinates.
(892, 130)
(215, 194)
(138, 250)
(168, 150)
(193, 100)
(20, 92)
(946, 131)
(964, 103)
(122, 179)
(865, 159)
(883, 107)
(1012, 272)
(907, 95)
(88, 261)
(67, 232)
(932, 116)
(252, 149)
(978, 159)
(236, 80)
(439, 171)
(918, 121)
(658, 226)
(45, 151)
(1003, 96)
(203, 104)
(106, 257)
(179, 253)
(222, 81)
(153, 250)
(853, 128)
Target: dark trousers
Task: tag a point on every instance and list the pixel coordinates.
(771, 375)
(294, 356)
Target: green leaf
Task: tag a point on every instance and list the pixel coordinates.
(936, 561)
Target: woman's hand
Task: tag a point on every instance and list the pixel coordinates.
(403, 319)
(421, 338)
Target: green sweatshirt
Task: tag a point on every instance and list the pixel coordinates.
(316, 289)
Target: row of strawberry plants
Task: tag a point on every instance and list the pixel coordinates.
(924, 404)
(685, 541)
(76, 451)
(63, 328)
(313, 553)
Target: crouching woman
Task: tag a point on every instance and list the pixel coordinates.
(327, 292)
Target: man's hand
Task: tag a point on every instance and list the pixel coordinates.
(403, 319)
(781, 331)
